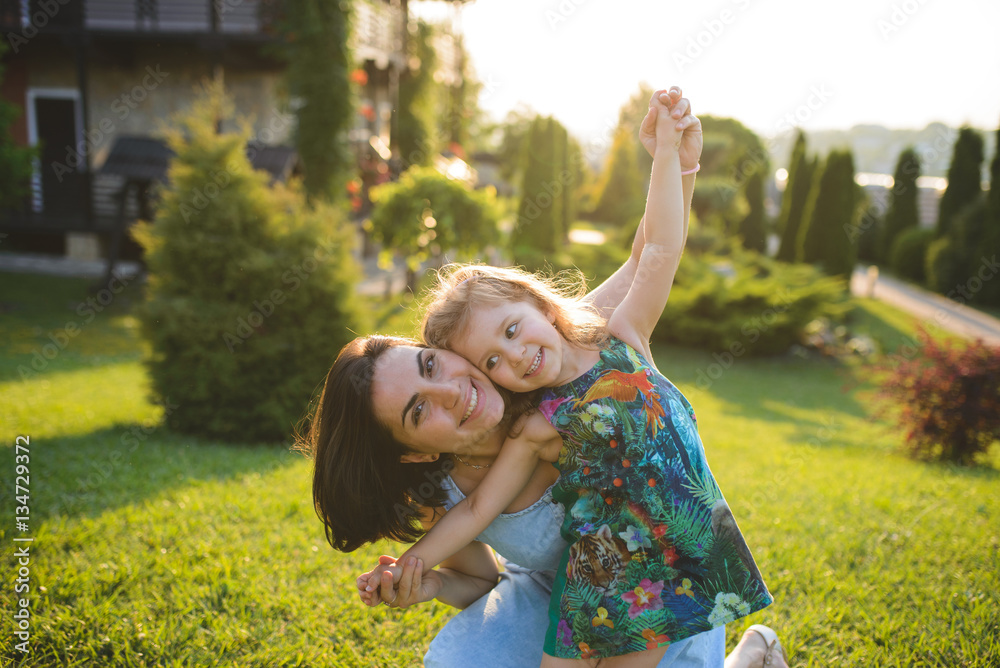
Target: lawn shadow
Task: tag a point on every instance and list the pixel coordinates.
(127, 463)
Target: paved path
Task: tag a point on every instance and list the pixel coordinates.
(928, 306)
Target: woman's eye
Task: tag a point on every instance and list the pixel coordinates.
(511, 330)
(492, 362)
(418, 410)
(429, 364)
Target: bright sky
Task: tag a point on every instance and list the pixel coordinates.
(898, 63)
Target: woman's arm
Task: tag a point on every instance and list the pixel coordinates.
(460, 580)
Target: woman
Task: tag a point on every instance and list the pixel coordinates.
(402, 432)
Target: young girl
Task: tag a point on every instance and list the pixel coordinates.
(654, 553)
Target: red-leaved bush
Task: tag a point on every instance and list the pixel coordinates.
(949, 398)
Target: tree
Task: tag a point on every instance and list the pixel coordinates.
(793, 203)
(963, 177)
(902, 211)
(753, 228)
(539, 214)
(426, 214)
(629, 118)
(621, 200)
(318, 82)
(990, 245)
(251, 290)
(415, 122)
(15, 161)
(825, 237)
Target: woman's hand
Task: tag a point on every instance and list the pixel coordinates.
(692, 140)
(414, 586)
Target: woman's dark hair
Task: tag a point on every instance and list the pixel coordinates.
(361, 490)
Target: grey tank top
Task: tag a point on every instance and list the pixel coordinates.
(529, 537)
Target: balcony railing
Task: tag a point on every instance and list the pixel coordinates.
(235, 17)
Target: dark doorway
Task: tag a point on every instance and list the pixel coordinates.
(62, 181)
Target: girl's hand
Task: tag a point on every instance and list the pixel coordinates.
(680, 108)
(414, 585)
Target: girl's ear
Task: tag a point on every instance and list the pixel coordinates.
(418, 458)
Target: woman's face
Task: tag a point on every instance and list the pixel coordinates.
(434, 401)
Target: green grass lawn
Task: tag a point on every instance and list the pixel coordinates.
(152, 549)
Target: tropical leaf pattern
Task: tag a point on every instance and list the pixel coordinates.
(633, 472)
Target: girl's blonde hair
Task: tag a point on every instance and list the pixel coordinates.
(460, 286)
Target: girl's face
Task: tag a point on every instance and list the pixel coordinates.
(516, 344)
(434, 401)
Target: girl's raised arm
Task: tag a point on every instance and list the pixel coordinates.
(665, 232)
(609, 294)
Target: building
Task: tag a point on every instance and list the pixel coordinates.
(95, 74)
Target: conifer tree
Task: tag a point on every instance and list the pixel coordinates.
(902, 212)
(989, 248)
(539, 213)
(963, 178)
(251, 290)
(317, 74)
(824, 237)
(753, 229)
(415, 121)
(621, 200)
(800, 176)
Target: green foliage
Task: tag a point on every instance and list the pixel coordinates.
(793, 203)
(827, 234)
(15, 161)
(250, 290)
(512, 152)
(629, 118)
(942, 265)
(990, 244)
(753, 228)
(846, 500)
(744, 302)
(732, 153)
(547, 177)
(950, 397)
(909, 252)
(902, 212)
(317, 77)
(963, 178)
(425, 213)
(870, 231)
(415, 121)
(621, 200)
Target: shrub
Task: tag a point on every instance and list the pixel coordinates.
(948, 399)
(250, 291)
(426, 213)
(942, 266)
(747, 303)
(906, 259)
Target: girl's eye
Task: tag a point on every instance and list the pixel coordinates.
(511, 331)
(492, 362)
